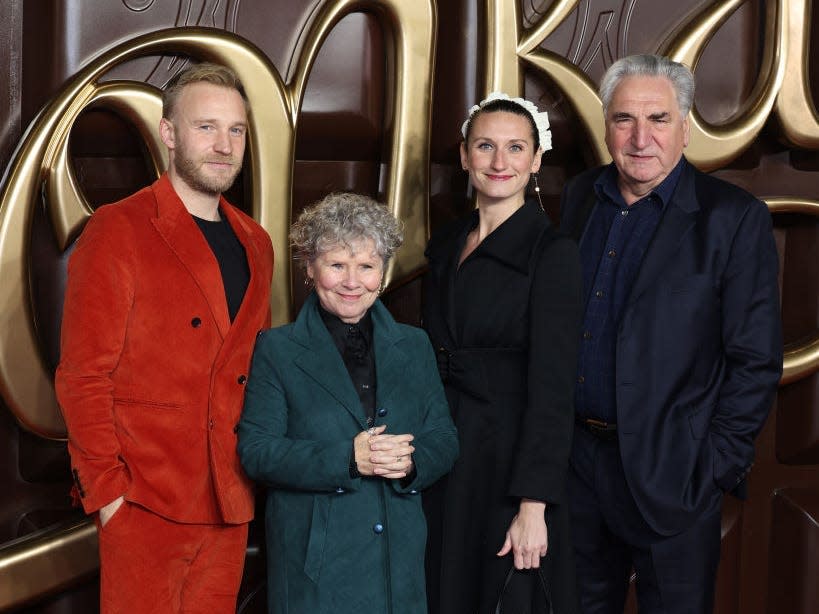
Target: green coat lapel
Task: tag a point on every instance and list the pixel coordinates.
(321, 361)
(390, 360)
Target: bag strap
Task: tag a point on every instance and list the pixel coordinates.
(546, 592)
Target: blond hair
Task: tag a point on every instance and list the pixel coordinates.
(204, 72)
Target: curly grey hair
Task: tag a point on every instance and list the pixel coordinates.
(680, 76)
(343, 219)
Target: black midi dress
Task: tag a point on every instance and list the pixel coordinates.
(505, 327)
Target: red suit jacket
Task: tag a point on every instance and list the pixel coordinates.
(152, 372)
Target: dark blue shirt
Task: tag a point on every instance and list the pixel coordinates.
(612, 248)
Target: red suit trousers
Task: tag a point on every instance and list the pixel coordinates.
(152, 565)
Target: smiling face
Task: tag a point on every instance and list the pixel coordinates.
(500, 157)
(206, 138)
(347, 279)
(645, 133)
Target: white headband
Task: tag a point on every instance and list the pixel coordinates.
(541, 119)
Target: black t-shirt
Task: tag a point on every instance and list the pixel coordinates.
(230, 254)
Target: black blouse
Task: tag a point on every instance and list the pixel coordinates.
(355, 344)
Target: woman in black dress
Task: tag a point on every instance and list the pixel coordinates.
(502, 306)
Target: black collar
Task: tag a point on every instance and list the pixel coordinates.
(512, 242)
(338, 329)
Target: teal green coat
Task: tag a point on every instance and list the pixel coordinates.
(337, 544)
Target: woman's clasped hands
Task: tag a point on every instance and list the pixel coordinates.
(382, 454)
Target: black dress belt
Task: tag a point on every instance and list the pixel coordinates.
(600, 429)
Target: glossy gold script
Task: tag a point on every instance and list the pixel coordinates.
(41, 163)
(801, 359)
(782, 88)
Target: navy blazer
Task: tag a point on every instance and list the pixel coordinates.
(699, 346)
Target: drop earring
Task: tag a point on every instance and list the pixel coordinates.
(537, 192)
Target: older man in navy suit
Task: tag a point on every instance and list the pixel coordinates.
(681, 349)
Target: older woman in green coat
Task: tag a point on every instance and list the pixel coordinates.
(345, 421)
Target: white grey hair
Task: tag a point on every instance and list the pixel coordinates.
(680, 76)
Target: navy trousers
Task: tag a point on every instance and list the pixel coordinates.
(674, 575)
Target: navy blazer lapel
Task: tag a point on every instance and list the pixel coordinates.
(577, 203)
(179, 231)
(321, 361)
(677, 220)
(577, 225)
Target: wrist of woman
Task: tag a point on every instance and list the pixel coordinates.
(532, 506)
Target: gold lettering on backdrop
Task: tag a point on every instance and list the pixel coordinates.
(410, 33)
(141, 105)
(795, 107)
(41, 159)
(782, 87)
(713, 146)
(801, 359)
(506, 48)
(41, 162)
